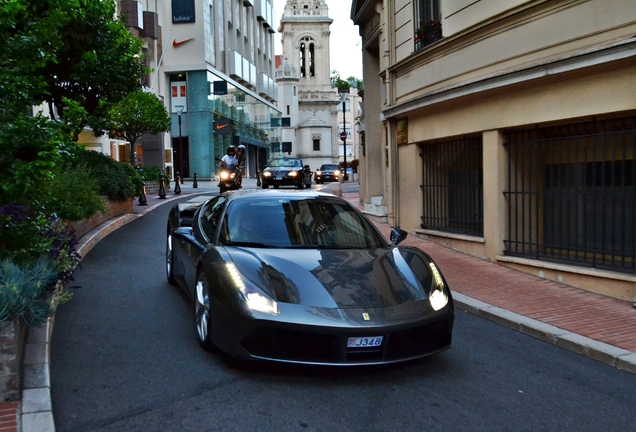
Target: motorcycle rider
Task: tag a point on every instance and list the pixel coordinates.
(229, 160)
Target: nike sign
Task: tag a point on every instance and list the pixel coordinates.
(178, 44)
(221, 126)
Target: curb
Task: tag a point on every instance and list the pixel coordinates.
(608, 354)
(36, 411)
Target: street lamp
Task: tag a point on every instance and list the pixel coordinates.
(179, 109)
(344, 93)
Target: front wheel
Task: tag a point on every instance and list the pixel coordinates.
(202, 311)
(265, 185)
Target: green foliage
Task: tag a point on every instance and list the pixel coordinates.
(114, 179)
(75, 194)
(21, 233)
(151, 173)
(24, 293)
(138, 113)
(338, 82)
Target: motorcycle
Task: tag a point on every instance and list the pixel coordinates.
(229, 178)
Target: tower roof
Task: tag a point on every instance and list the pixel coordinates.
(306, 8)
(286, 71)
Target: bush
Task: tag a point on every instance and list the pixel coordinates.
(75, 194)
(114, 179)
(151, 173)
(24, 293)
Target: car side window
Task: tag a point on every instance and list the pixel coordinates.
(211, 216)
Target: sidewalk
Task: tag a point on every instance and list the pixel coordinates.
(598, 327)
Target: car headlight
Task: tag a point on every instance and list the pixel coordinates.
(267, 174)
(336, 173)
(292, 173)
(253, 299)
(438, 296)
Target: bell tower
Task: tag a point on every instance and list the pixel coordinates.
(305, 39)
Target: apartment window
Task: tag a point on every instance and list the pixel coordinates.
(452, 185)
(427, 22)
(347, 130)
(572, 194)
(316, 141)
(288, 109)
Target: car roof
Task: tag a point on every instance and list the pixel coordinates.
(247, 194)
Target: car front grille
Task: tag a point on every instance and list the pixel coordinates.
(300, 346)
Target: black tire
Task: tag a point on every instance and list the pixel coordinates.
(300, 185)
(276, 186)
(265, 185)
(202, 319)
(170, 259)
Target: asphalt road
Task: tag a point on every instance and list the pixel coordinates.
(124, 357)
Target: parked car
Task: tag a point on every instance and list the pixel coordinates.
(306, 278)
(286, 172)
(327, 173)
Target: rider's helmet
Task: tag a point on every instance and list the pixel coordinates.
(231, 149)
(241, 147)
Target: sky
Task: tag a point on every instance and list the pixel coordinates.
(345, 41)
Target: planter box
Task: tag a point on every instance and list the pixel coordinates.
(113, 210)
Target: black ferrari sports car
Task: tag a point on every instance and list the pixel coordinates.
(305, 277)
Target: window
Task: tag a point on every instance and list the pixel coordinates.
(288, 109)
(347, 106)
(347, 130)
(427, 22)
(316, 141)
(452, 182)
(572, 194)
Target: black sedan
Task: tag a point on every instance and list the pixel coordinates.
(327, 173)
(304, 277)
(286, 172)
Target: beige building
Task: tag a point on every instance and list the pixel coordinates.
(507, 130)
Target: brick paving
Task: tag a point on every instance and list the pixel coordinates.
(9, 416)
(595, 316)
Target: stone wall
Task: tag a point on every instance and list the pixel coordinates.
(113, 210)
(12, 336)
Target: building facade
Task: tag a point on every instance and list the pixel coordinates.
(506, 130)
(218, 70)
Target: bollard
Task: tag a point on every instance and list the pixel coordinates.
(258, 178)
(177, 185)
(194, 183)
(162, 188)
(143, 198)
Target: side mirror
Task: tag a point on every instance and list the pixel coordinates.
(397, 236)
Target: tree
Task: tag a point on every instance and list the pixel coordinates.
(89, 56)
(338, 82)
(139, 113)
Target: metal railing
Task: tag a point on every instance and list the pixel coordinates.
(572, 194)
(427, 21)
(452, 185)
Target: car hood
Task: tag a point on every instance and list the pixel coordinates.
(283, 169)
(337, 278)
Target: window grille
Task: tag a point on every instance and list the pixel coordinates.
(572, 194)
(427, 21)
(453, 186)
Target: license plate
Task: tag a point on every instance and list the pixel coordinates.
(364, 342)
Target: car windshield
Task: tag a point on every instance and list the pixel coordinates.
(328, 167)
(297, 222)
(287, 163)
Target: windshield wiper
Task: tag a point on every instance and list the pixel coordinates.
(248, 244)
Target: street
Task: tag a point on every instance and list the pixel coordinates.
(124, 357)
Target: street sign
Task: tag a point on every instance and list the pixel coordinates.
(343, 136)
